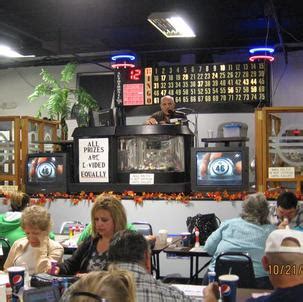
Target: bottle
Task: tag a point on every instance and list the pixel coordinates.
(197, 241)
(211, 276)
(9, 293)
(70, 232)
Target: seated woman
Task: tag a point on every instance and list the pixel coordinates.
(36, 250)
(112, 286)
(246, 234)
(107, 217)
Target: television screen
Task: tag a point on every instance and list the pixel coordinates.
(46, 172)
(219, 169)
(102, 118)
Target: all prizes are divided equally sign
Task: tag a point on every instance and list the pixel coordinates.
(93, 160)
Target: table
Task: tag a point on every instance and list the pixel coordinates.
(191, 253)
(196, 291)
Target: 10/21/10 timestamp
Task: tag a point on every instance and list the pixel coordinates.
(285, 269)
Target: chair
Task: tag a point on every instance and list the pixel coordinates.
(239, 264)
(64, 229)
(4, 250)
(146, 229)
(143, 228)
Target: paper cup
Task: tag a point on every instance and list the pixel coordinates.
(16, 279)
(228, 285)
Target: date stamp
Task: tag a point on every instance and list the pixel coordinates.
(285, 269)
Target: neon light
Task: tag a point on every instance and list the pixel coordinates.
(124, 65)
(262, 49)
(263, 57)
(118, 57)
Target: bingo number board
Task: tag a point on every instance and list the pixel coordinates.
(229, 83)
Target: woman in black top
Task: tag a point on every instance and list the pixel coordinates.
(107, 217)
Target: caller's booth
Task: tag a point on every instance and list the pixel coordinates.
(154, 158)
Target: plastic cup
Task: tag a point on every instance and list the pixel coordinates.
(53, 266)
(16, 279)
(163, 236)
(185, 239)
(228, 285)
(210, 133)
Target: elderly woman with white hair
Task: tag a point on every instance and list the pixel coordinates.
(36, 250)
(247, 234)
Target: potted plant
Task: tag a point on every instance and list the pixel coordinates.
(61, 97)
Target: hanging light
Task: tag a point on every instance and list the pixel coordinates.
(262, 53)
(123, 61)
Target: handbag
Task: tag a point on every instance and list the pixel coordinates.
(206, 224)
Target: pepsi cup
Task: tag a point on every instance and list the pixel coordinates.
(228, 284)
(16, 279)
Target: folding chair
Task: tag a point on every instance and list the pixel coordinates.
(143, 228)
(146, 229)
(239, 264)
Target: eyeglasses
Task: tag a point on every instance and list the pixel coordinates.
(88, 294)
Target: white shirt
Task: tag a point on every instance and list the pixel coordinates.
(28, 259)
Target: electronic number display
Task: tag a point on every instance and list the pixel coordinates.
(208, 83)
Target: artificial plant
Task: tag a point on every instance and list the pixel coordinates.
(61, 97)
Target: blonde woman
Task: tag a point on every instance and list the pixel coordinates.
(112, 286)
(36, 250)
(107, 217)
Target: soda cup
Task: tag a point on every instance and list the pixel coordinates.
(228, 284)
(53, 267)
(16, 279)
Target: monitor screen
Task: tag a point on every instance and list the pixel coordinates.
(219, 169)
(46, 172)
(102, 118)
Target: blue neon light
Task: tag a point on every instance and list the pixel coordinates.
(118, 57)
(262, 49)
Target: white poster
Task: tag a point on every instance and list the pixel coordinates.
(93, 160)
(281, 172)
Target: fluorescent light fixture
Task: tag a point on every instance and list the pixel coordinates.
(171, 25)
(6, 51)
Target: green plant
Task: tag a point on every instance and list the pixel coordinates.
(61, 97)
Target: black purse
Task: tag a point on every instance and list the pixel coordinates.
(206, 224)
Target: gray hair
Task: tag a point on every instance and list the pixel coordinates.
(255, 209)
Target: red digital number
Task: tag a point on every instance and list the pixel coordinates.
(135, 74)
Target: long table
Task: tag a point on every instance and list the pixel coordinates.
(193, 254)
